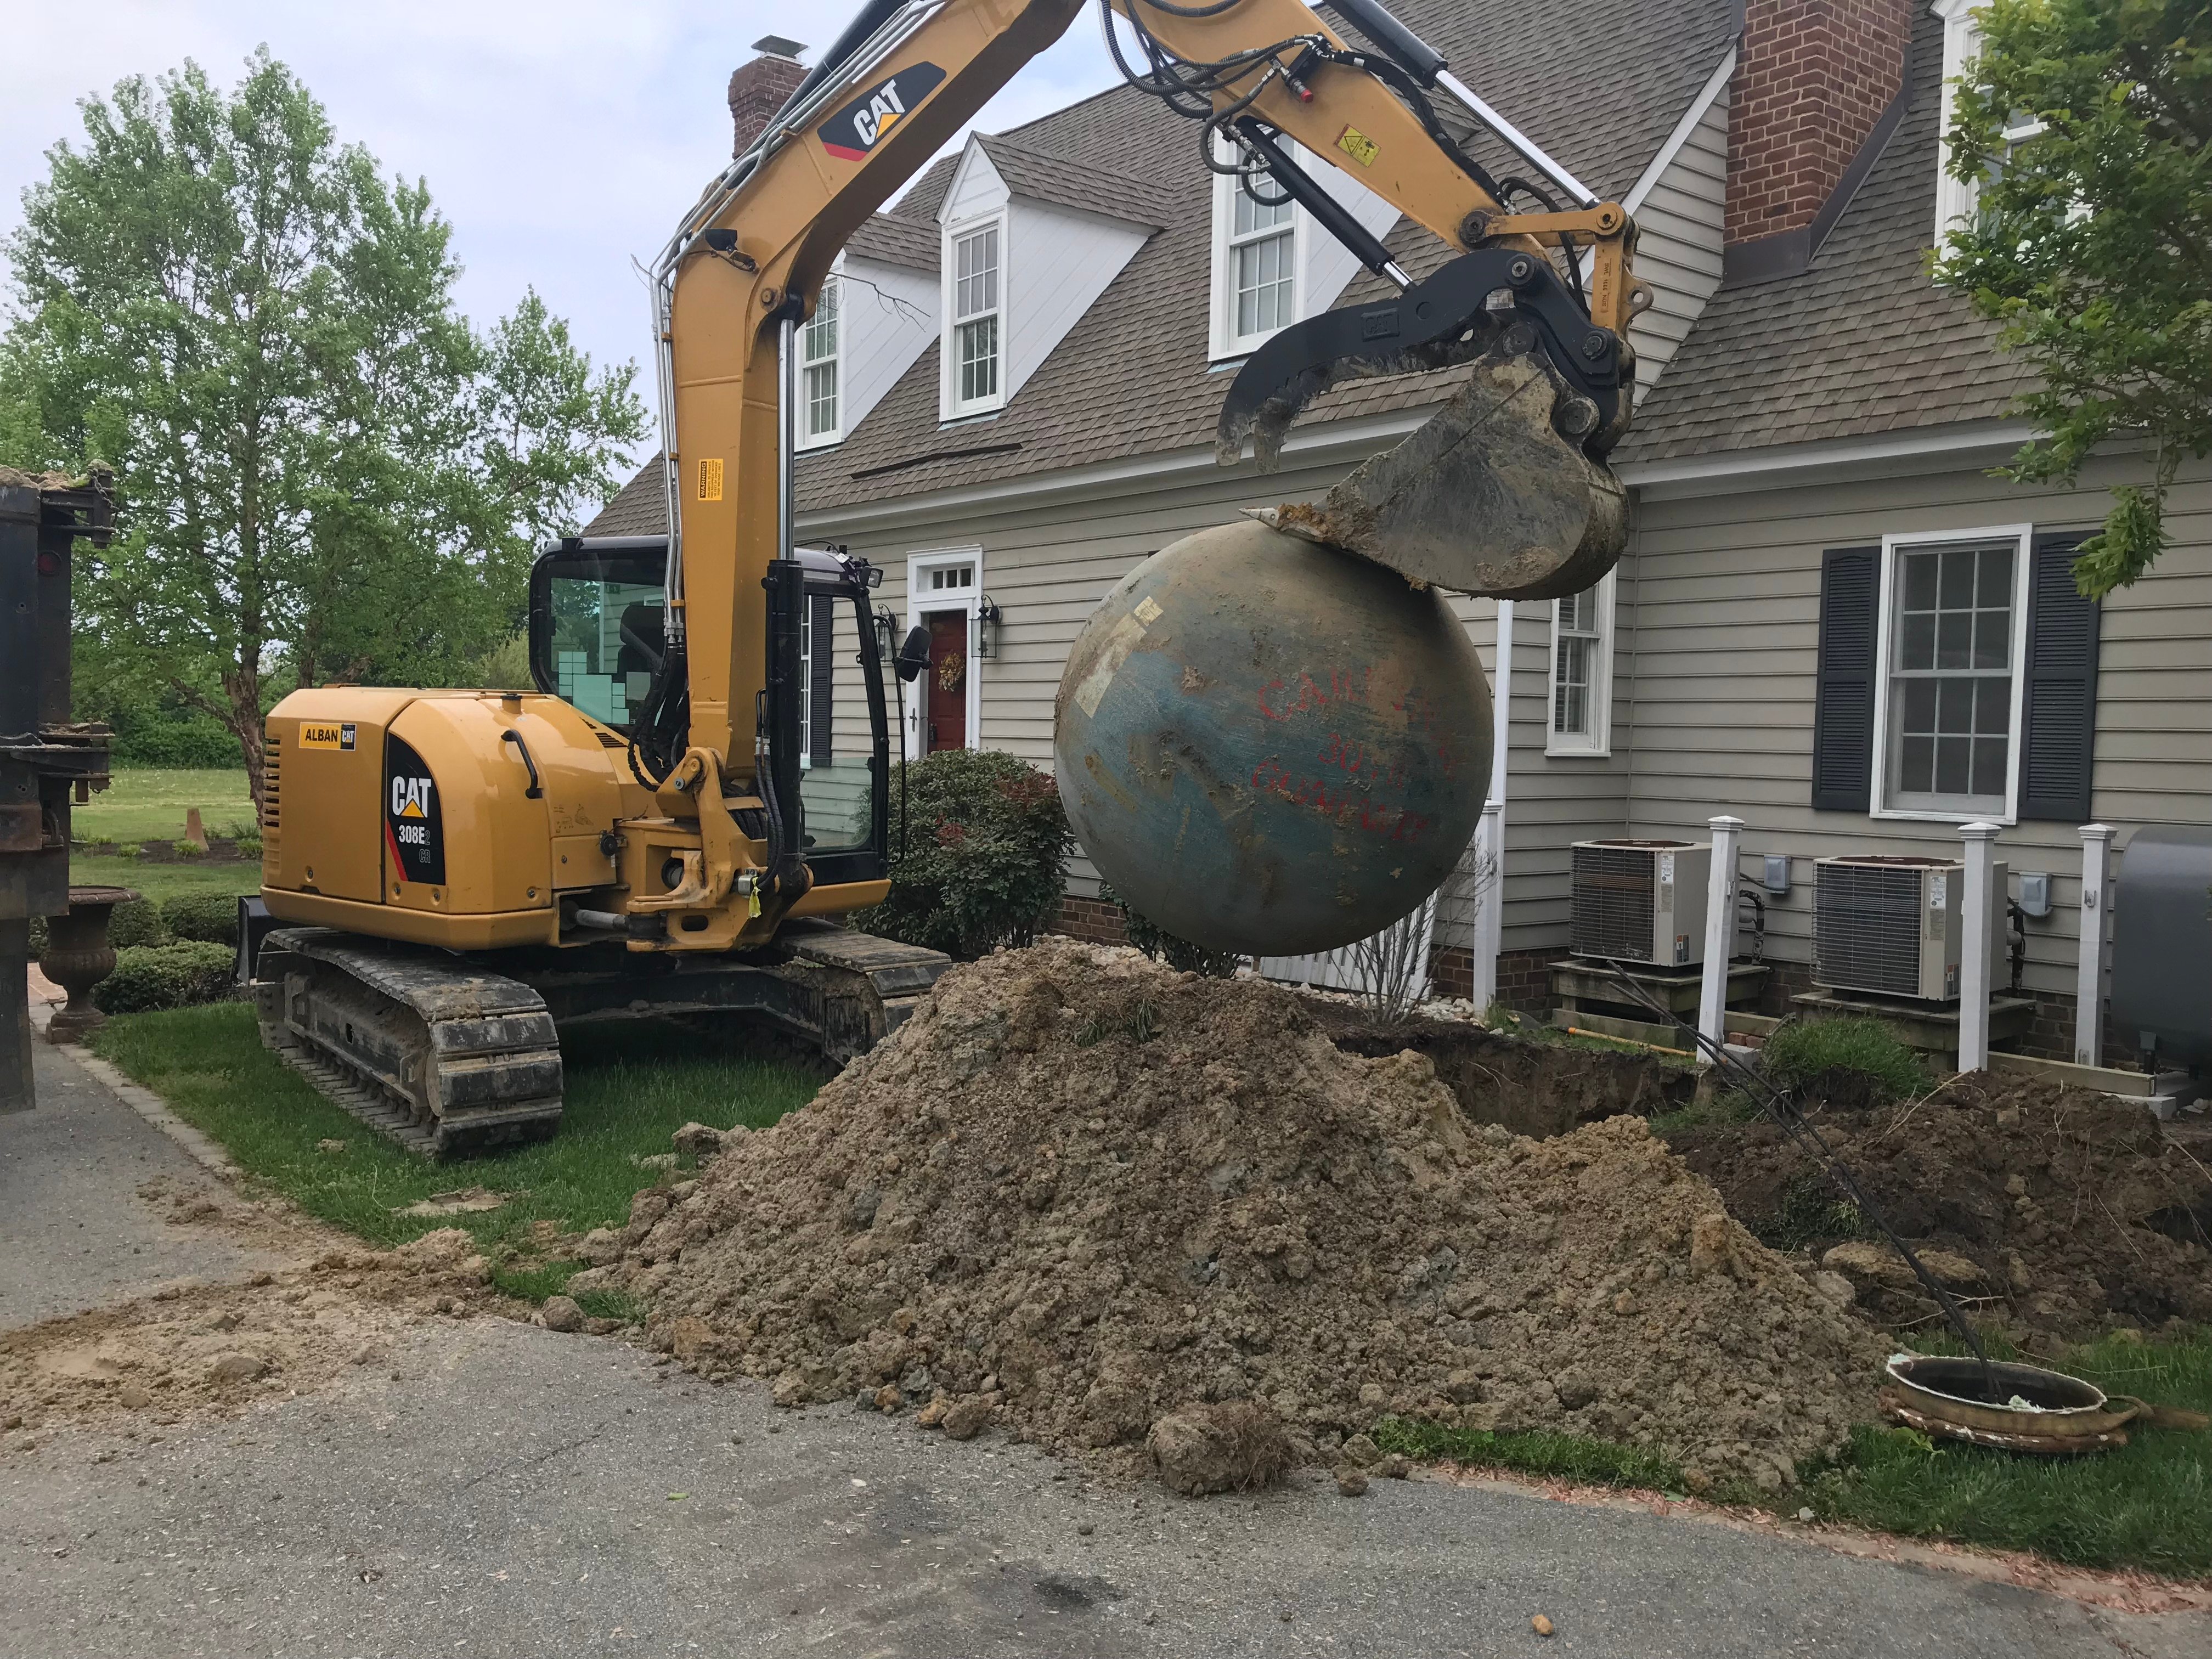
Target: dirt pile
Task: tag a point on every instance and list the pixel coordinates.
(2065, 1211)
(1078, 1192)
(194, 1350)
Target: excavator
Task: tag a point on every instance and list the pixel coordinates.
(676, 819)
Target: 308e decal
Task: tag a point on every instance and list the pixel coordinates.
(852, 132)
(414, 824)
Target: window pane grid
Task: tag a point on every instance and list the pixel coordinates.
(979, 359)
(1951, 678)
(976, 285)
(1574, 664)
(1265, 279)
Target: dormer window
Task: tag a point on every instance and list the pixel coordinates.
(1956, 198)
(976, 289)
(1263, 239)
(1271, 266)
(821, 367)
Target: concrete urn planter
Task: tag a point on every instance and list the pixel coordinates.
(78, 957)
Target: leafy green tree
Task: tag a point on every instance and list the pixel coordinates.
(2092, 241)
(323, 472)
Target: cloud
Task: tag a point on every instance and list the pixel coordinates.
(560, 137)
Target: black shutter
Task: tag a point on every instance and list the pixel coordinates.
(1843, 707)
(2059, 713)
(821, 684)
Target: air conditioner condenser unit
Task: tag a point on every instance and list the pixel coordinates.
(1896, 927)
(1641, 901)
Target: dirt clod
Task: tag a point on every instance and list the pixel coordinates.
(1352, 1480)
(560, 1313)
(1095, 1220)
(1230, 1446)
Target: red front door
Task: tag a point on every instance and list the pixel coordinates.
(946, 715)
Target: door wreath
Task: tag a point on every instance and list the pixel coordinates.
(951, 670)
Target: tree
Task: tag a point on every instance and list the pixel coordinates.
(2092, 243)
(323, 470)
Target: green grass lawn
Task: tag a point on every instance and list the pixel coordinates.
(149, 803)
(166, 881)
(629, 1088)
(2147, 1505)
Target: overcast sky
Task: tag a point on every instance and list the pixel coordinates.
(562, 138)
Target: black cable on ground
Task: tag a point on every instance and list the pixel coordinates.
(1794, 1124)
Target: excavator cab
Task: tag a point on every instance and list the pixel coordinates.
(598, 642)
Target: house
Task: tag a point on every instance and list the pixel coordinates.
(1015, 402)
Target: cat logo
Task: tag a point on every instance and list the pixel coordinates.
(327, 735)
(414, 827)
(852, 132)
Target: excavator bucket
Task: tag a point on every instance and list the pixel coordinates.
(1501, 492)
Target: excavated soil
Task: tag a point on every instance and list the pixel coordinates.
(2065, 1212)
(194, 1350)
(1078, 1192)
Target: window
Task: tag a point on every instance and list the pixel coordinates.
(975, 320)
(1955, 198)
(806, 684)
(1581, 673)
(1948, 707)
(1256, 264)
(819, 365)
(1263, 244)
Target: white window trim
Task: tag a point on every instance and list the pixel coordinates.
(837, 434)
(1962, 40)
(2023, 536)
(919, 603)
(1223, 342)
(949, 404)
(1597, 745)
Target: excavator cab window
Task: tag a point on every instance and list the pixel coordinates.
(597, 633)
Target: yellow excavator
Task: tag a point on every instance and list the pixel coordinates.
(674, 820)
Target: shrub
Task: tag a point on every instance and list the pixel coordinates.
(248, 844)
(188, 849)
(211, 918)
(136, 922)
(1857, 1058)
(981, 861)
(166, 976)
(1161, 945)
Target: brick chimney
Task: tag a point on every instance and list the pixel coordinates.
(1820, 85)
(759, 89)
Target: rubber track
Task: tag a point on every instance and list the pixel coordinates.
(496, 1075)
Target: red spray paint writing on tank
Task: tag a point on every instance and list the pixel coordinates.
(1347, 807)
(1345, 685)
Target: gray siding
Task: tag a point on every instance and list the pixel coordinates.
(1718, 678)
(1678, 249)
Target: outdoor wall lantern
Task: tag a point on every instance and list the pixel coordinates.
(988, 618)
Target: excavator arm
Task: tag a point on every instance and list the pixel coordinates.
(1539, 301)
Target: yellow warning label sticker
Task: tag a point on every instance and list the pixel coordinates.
(327, 735)
(1358, 146)
(710, 480)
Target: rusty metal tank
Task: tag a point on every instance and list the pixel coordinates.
(1271, 746)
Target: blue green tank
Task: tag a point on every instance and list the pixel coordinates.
(1271, 746)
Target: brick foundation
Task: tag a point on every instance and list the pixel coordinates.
(1092, 921)
(1524, 977)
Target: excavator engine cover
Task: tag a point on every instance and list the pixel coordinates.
(1270, 746)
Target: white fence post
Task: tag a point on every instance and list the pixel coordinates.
(1489, 902)
(1974, 914)
(2089, 982)
(1720, 930)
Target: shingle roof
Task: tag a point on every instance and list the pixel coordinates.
(1064, 181)
(1599, 83)
(897, 240)
(1863, 342)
